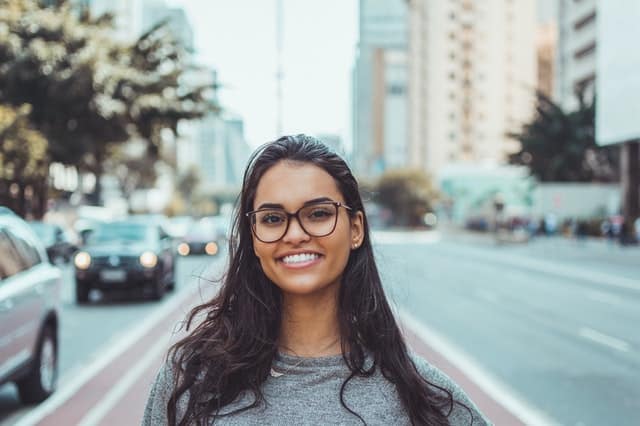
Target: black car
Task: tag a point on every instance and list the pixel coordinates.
(126, 255)
(58, 243)
(204, 237)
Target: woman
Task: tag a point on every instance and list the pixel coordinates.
(300, 331)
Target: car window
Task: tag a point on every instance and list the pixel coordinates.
(11, 262)
(25, 250)
(126, 232)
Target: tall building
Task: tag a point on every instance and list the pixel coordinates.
(546, 51)
(379, 88)
(576, 54)
(472, 79)
(214, 144)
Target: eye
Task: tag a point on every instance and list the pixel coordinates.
(319, 213)
(272, 218)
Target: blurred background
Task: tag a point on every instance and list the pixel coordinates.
(496, 144)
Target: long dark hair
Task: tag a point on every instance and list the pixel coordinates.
(231, 350)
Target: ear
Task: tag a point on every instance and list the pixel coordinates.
(357, 230)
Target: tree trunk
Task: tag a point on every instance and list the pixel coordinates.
(630, 179)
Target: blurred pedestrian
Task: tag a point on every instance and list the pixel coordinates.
(301, 331)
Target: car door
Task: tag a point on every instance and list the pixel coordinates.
(13, 317)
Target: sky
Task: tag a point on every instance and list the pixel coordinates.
(238, 39)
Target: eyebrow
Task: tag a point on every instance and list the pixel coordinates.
(280, 206)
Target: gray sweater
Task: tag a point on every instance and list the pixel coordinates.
(306, 391)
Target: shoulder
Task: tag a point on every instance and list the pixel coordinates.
(464, 410)
(156, 409)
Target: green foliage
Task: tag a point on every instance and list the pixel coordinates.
(88, 91)
(23, 150)
(560, 147)
(409, 194)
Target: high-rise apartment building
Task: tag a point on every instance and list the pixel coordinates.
(576, 53)
(472, 79)
(546, 51)
(379, 88)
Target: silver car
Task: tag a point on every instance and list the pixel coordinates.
(29, 311)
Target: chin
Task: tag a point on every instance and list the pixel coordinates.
(303, 287)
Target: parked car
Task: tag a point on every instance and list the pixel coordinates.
(29, 311)
(59, 244)
(128, 255)
(204, 237)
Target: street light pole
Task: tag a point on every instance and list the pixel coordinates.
(279, 71)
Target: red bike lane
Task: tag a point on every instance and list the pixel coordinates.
(116, 394)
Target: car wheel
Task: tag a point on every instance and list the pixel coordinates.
(82, 293)
(41, 379)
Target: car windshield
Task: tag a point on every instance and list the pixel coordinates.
(114, 232)
(44, 231)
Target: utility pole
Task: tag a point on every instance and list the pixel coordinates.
(279, 70)
(630, 179)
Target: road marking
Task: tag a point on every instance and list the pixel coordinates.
(603, 297)
(559, 270)
(499, 391)
(80, 378)
(604, 339)
(116, 393)
(404, 237)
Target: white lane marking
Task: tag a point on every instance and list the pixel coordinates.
(405, 237)
(114, 350)
(495, 388)
(599, 296)
(604, 339)
(116, 393)
(560, 270)
(487, 295)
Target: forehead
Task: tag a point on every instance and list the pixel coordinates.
(292, 183)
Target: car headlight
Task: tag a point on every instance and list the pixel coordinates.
(82, 260)
(183, 249)
(148, 259)
(211, 248)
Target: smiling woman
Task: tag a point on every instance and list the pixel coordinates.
(301, 331)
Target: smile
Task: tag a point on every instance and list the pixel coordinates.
(300, 258)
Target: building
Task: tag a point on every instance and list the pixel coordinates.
(379, 88)
(215, 145)
(546, 51)
(576, 53)
(472, 79)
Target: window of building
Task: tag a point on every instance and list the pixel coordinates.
(586, 20)
(587, 50)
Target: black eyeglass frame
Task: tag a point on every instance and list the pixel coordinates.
(252, 223)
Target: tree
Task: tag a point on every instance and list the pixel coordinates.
(561, 147)
(23, 159)
(89, 92)
(409, 195)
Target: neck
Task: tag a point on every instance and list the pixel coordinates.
(310, 327)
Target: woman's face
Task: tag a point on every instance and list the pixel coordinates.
(300, 264)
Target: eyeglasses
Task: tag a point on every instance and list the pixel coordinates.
(317, 220)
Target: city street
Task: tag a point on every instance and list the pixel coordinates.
(546, 331)
(554, 320)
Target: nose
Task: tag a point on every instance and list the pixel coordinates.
(295, 234)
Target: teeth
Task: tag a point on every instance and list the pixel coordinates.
(297, 258)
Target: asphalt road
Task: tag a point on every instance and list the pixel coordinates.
(556, 321)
